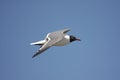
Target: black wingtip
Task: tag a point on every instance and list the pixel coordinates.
(35, 55)
(39, 52)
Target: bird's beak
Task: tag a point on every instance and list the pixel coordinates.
(78, 39)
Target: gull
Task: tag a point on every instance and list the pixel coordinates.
(56, 38)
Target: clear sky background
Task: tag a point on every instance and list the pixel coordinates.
(96, 22)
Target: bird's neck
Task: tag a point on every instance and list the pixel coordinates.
(67, 37)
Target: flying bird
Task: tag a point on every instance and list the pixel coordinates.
(56, 38)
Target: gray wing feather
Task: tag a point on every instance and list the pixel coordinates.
(64, 30)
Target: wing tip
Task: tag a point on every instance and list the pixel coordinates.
(66, 30)
(31, 43)
(33, 56)
(37, 53)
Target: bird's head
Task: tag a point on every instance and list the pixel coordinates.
(72, 38)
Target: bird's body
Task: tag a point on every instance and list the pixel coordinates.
(57, 38)
(65, 40)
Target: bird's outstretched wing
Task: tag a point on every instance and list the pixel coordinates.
(48, 44)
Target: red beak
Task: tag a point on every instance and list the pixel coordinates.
(78, 39)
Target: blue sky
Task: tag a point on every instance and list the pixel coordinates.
(96, 22)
